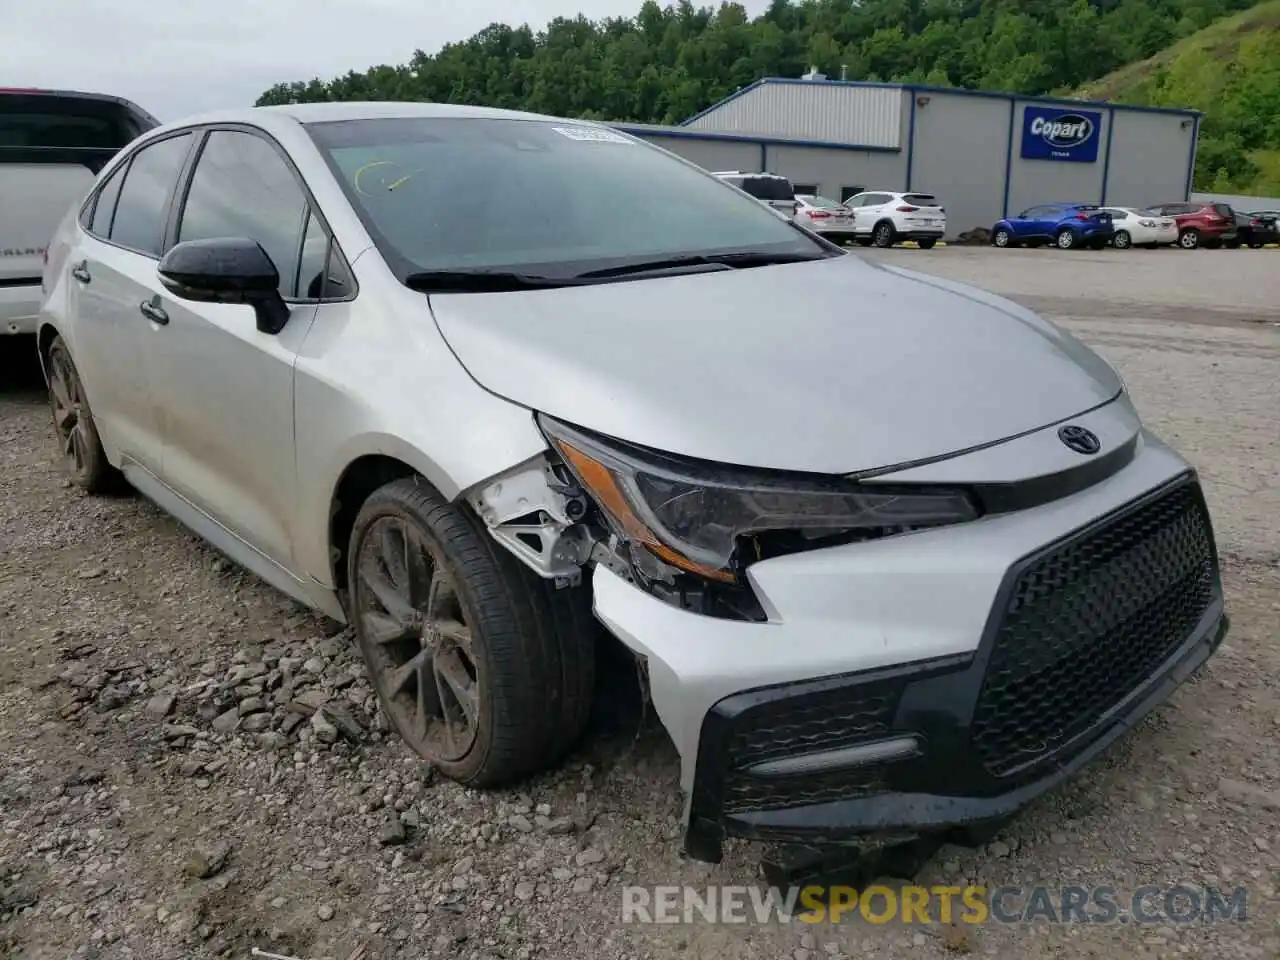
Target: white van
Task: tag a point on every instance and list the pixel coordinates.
(52, 145)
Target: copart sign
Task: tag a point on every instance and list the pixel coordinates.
(1060, 133)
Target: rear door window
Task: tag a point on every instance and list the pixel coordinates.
(104, 207)
(1224, 209)
(143, 204)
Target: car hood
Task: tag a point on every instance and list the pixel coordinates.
(830, 366)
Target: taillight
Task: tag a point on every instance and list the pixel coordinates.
(1255, 223)
(818, 214)
(907, 209)
(1082, 216)
(1147, 223)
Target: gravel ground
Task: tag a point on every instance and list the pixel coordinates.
(193, 766)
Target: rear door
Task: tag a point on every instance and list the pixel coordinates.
(870, 211)
(112, 273)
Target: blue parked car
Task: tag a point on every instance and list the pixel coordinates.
(1067, 225)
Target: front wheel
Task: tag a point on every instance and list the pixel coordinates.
(1002, 238)
(1065, 240)
(926, 244)
(1122, 240)
(479, 666)
(882, 236)
(1189, 239)
(79, 445)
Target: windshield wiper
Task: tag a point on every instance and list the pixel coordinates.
(481, 281)
(714, 261)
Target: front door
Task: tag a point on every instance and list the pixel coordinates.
(225, 389)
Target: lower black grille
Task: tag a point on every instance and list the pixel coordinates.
(1087, 623)
(813, 722)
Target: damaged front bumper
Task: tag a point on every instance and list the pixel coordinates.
(916, 683)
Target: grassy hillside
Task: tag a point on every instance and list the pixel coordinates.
(1230, 70)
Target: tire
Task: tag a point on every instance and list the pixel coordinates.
(1189, 239)
(79, 444)
(1002, 238)
(883, 235)
(1122, 240)
(1065, 240)
(927, 244)
(529, 651)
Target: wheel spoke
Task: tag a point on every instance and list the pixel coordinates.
(457, 632)
(450, 669)
(384, 629)
(58, 384)
(394, 550)
(388, 594)
(399, 678)
(420, 574)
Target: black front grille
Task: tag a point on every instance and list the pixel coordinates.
(811, 722)
(1086, 624)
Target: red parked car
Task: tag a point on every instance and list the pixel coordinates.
(1199, 224)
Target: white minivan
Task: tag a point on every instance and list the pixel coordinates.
(52, 145)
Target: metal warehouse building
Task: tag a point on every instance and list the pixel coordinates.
(986, 155)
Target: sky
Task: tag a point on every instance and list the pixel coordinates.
(177, 57)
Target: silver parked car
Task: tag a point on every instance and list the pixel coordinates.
(897, 554)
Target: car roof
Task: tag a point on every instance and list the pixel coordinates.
(306, 113)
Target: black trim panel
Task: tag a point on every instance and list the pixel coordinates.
(947, 785)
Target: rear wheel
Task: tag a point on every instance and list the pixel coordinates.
(1189, 239)
(1122, 240)
(927, 244)
(79, 445)
(1065, 240)
(883, 235)
(480, 667)
(1002, 238)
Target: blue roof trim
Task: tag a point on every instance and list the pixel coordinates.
(954, 91)
(678, 134)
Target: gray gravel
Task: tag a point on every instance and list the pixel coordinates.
(192, 766)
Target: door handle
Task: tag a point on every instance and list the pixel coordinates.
(81, 272)
(152, 310)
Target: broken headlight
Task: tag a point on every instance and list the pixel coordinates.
(712, 521)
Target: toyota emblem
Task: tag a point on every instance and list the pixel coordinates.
(1080, 440)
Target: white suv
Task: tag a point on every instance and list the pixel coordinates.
(885, 217)
(769, 188)
(52, 145)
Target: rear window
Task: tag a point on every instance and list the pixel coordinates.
(18, 129)
(52, 128)
(824, 203)
(768, 188)
(921, 199)
(1224, 209)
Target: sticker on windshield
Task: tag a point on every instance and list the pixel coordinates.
(591, 135)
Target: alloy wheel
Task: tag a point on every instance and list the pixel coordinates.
(884, 235)
(1189, 240)
(418, 641)
(1066, 240)
(1122, 240)
(67, 399)
(1002, 238)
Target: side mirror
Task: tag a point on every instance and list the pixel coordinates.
(227, 270)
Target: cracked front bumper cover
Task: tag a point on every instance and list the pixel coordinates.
(1061, 673)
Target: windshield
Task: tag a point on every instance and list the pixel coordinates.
(537, 197)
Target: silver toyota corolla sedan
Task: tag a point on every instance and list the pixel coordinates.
(895, 554)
